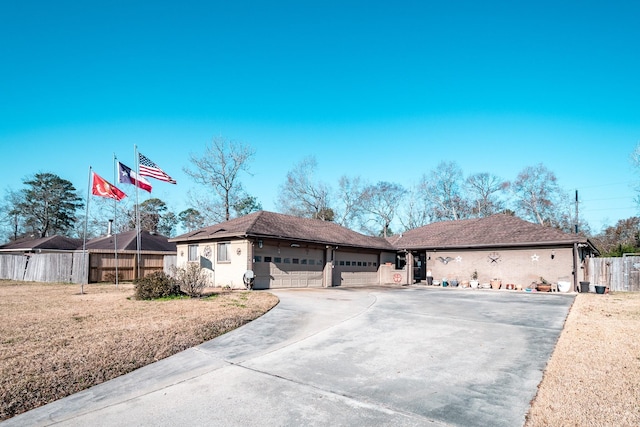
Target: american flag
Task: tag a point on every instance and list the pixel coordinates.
(150, 169)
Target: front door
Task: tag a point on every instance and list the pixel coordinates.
(419, 266)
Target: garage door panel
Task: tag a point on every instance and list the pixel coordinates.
(355, 269)
(288, 267)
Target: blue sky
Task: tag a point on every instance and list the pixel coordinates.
(381, 91)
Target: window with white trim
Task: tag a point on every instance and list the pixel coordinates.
(193, 253)
(223, 251)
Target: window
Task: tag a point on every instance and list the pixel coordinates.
(349, 263)
(193, 253)
(312, 261)
(287, 260)
(359, 263)
(296, 261)
(303, 261)
(267, 259)
(257, 258)
(278, 259)
(341, 262)
(223, 251)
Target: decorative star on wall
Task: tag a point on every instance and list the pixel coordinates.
(535, 257)
(458, 258)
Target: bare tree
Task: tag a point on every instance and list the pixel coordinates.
(102, 211)
(484, 190)
(635, 159)
(444, 190)
(301, 195)
(218, 169)
(349, 201)
(538, 195)
(381, 202)
(416, 209)
(12, 222)
(620, 238)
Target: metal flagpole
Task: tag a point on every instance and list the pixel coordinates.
(138, 239)
(84, 239)
(115, 222)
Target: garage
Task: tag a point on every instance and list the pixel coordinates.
(288, 267)
(355, 269)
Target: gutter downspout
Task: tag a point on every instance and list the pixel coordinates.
(575, 267)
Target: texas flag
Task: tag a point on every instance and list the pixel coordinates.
(130, 177)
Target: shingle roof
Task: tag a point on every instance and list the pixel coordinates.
(128, 241)
(49, 243)
(495, 230)
(274, 225)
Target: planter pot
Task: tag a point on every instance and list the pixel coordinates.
(495, 284)
(464, 284)
(474, 284)
(600, 289)
(518, 287)
(453, 283)
(510, 286)
(584, 286)
(543, 288)
(429, 280)
(564, 286)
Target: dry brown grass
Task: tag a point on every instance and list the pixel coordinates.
(593, 377)
(55, 341)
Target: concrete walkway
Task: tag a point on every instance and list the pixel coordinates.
(345, 356)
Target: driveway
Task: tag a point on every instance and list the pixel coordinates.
(344, 356)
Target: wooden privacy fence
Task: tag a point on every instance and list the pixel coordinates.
(67, 267)
(619, 274)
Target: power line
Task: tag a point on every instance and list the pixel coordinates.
(608, 198)
(608, 185)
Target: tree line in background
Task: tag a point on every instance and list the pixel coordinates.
(49, 204)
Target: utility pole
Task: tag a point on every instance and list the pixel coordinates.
(576, 225)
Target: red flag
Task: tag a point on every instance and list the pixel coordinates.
(102, 188)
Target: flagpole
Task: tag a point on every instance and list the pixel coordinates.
(115, 222)
(138, 239)
(84, 239)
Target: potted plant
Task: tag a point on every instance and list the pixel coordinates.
(584, 286)
(543, 285)
(474, 279)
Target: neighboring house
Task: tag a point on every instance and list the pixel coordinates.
(154, 250)
(285, 251)
(44, 244)
(497, 247)
(60, 258)
(47, 259)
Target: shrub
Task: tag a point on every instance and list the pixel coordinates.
(111, 277)
(191, 279)
(156, 285)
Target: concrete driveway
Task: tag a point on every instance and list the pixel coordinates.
(344, 356)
